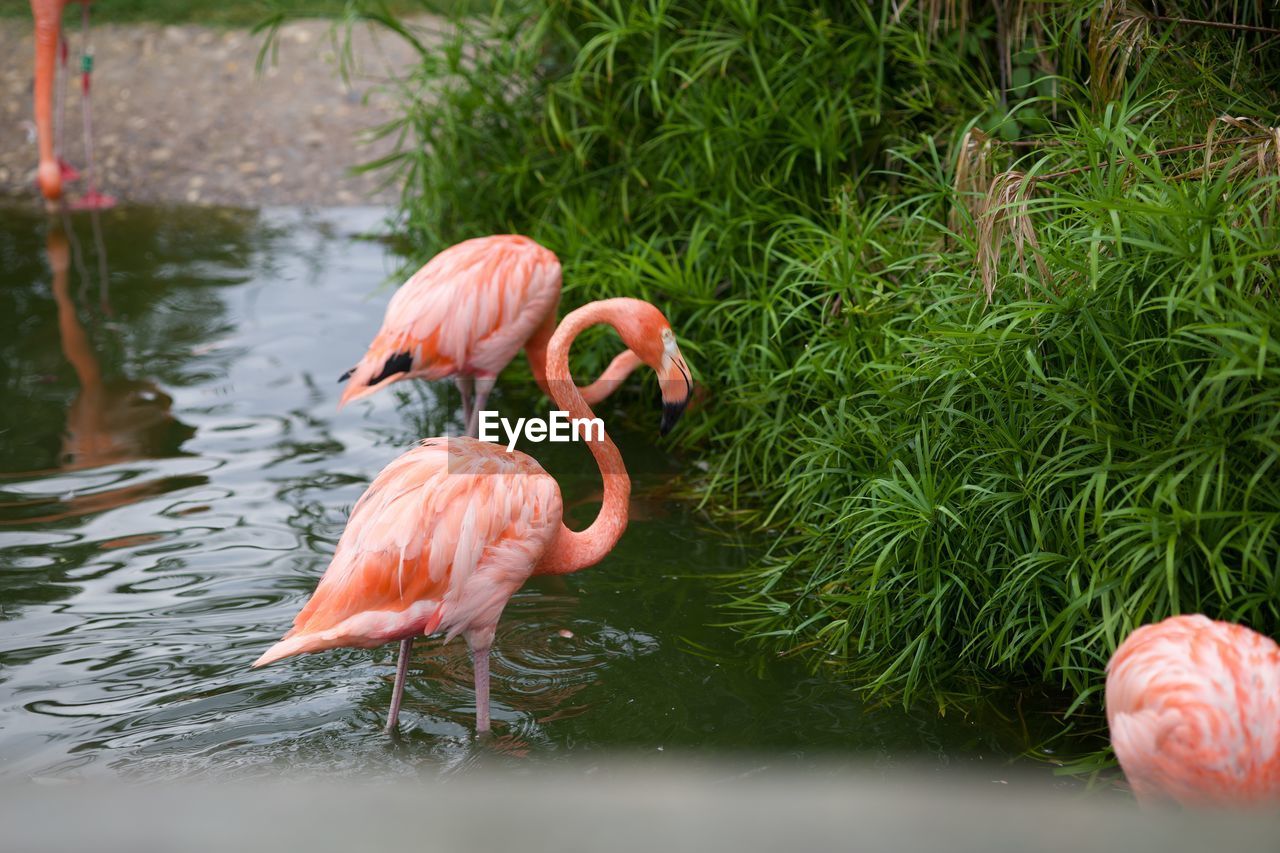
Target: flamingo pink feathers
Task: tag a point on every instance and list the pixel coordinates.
(52, 170)
(465, 315)
(1193, 706)
(408, 561)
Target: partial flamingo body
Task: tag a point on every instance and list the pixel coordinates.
(465, 315)
(450, 530)
(441, 540)
(48, 40)
(1193, 706)
(53, 171)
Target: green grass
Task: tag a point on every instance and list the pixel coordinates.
(954, 489)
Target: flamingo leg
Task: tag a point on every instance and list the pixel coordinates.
(397, 692)
(92, 200)
(480, 662)
(67, 171)
(48, 38)
(464, 390)
(484, 384)
(86, 111)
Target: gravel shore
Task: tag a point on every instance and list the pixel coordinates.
(181, 114)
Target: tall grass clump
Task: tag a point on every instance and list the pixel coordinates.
(986, 297)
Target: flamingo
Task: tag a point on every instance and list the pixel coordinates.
(1194, 711)
(465, 315)
(448, 532)
(48, 38)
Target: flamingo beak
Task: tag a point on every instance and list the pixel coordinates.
(677, 386)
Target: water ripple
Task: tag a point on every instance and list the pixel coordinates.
(143, 573)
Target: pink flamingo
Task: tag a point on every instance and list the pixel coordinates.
(450, 530)
(466, 314)
(49, 44)
(1194, 711)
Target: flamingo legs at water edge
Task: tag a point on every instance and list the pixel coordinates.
(49, 45)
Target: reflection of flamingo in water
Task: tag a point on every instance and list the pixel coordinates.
(449, 531)
(54, 171)
(108, 421)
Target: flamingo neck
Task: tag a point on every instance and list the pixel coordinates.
(536, 349)
(623, 364)
(48, 31)
(618, 370)
(573, 550)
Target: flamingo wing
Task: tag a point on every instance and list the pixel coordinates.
(468, 311)
(442, 538)
(1193, 706)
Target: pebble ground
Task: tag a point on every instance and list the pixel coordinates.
(182, 115)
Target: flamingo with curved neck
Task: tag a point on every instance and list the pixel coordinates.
(447, 533)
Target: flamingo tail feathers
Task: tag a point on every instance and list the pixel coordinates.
(363, 630)
(291, 646)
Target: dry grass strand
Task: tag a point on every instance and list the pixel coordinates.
(1005, 212)
(1117, 31)
(974, 173)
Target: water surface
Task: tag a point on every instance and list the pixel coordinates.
(173, 479)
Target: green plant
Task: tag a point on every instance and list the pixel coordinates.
(992, 485)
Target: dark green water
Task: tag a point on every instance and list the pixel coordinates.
(173, 479)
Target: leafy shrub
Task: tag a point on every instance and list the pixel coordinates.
(998, 484)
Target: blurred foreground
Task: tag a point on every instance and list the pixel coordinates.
(616, 805)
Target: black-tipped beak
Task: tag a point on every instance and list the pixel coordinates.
(671, 413)
(677, 388)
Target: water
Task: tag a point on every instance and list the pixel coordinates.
(173, 480)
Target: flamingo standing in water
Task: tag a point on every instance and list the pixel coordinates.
(450, 530)
(49, 44)
(1194, 711)
(466, 314)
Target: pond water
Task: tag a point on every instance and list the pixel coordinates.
(174, 476)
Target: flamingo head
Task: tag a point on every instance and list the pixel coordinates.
(647, 333)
